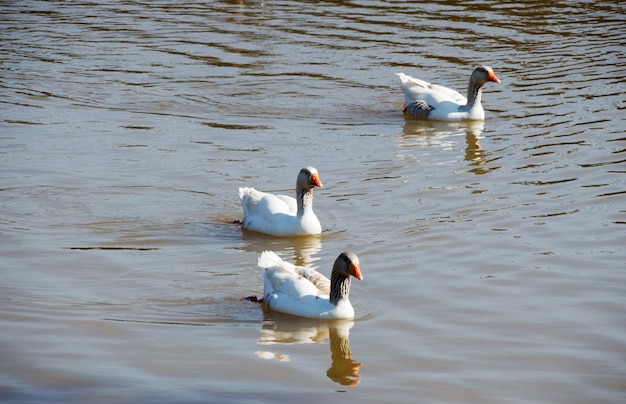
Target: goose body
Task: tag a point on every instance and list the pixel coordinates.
(431, 101)
(304, 292)
(281, 215)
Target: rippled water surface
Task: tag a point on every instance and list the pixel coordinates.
(493, 253)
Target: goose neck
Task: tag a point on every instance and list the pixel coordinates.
(304, 199)
(339, 287)
(474, 94)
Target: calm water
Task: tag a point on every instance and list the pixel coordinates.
(493, 253)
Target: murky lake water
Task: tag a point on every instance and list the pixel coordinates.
(493, 253)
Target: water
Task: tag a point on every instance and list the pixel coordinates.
(492, 253)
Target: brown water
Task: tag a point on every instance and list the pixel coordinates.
(493, 254)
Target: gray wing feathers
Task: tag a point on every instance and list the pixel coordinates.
(419, 109)
(316, 278)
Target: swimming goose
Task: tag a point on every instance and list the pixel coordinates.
(304, 292)
(432, 101)
(281, 215)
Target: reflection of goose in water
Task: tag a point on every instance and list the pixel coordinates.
(419, 133)
(302, 251)
(474, 153)
(281, 329)
(343, 369)
(431, 133)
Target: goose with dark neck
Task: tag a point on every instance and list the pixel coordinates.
(281, 215)
(304, 292)
(434, 102)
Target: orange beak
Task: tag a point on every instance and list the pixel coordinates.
(315, 180)
(493, 77)
(355, 270)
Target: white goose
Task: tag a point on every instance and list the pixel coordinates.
(304, 292)
(432, 101)
(281, 215)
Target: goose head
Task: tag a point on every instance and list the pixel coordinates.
(308, 178)
(480, 76)
(483, 74)
(347, 264)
